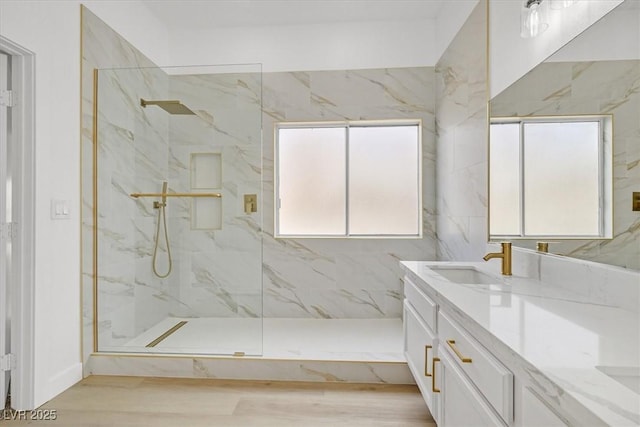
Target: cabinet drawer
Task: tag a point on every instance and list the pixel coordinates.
(426, 308)
(490, 376)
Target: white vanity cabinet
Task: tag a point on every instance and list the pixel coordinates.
(493, 381)
(461, 403)
(419, 347)
(461, 382)
(535, 413)
(519, 351)
(420, 344)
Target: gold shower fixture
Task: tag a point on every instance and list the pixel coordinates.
(170, 106)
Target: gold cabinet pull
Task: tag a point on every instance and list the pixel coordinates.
(433, 370)
(452, 344)
(426, 359)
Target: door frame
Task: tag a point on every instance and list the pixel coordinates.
(23, 241)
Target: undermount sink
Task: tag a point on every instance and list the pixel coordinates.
(627, 376)
(466, 275)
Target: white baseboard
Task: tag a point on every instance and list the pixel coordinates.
(62, 381)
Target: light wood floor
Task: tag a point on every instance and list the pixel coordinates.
(137, 401)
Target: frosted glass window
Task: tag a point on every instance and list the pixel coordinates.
(504, 179)
(384, 180)
(561, 178)
(311, 181)
(547, 177)
(348, 180)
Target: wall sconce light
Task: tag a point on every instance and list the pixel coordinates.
(533, 18)
(561, 4)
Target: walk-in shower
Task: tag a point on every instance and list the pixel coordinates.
(179, 257)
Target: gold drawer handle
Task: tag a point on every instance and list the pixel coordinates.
(433, 369)
(426, 358)
(452, 344)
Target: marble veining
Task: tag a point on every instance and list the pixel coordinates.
(551, 335)
(461, 122)
(340, 278)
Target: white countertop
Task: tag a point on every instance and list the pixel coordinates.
(569, 340)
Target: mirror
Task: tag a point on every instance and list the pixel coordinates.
(596, 74)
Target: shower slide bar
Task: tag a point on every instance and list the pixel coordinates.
(137, 195)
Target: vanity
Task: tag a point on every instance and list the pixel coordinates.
(493, 350)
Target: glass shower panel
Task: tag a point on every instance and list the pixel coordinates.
(179, 260)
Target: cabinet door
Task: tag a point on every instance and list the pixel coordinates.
(419, 348)
(462, 404)
(536, 413)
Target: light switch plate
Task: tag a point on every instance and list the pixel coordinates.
(60, 209)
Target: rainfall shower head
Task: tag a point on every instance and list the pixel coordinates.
(171, 107)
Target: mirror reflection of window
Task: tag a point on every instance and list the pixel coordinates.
(562, 179)
(547, 177)
(504, 179)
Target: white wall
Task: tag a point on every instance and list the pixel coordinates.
(331, 46)
(451, 17)
(511, 56)
(51, 29)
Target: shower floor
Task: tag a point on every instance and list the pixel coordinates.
(375, 340)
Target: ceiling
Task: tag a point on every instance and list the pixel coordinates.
(206, 14)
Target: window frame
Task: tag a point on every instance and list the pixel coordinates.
(605, 175)
(346, 124)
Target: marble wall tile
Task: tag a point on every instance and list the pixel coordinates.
(462, 120)
(118, 125)
(251, 369)
(222, 268)
(336, 278)
(600, 283)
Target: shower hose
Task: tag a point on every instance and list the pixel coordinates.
(161, 215)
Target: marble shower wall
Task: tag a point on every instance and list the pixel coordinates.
(123, 127)
(215, 273)
(600, 87)
(462, 135)
(132, 145)
(344, 278)
(220, 271)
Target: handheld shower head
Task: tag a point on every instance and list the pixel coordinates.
(164, 193)
(171, 106)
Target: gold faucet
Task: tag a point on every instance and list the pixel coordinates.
(505, 255)
(542, 247)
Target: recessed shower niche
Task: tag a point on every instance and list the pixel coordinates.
(206, 175)
(178, 266)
